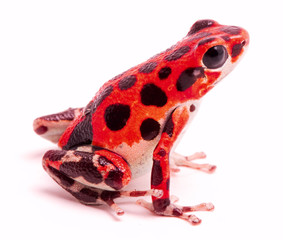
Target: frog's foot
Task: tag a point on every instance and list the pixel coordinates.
(173, 210)
(186, 161)
(111, 203)
(52, 126)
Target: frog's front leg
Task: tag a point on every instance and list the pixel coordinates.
(160, 176)
(52, 126)
(93, 177)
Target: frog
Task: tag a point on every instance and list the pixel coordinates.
(134, 122)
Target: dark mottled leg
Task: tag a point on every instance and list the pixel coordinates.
(101, 169)
(86, 174)
(52, 126)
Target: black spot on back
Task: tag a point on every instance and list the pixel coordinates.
(201, 24)
(149, 129)
(127, 82)
(148, 67)
(156, 174)
(116, 116)
(164, 73)
(177, 54)
(152, 95)
(189, 77)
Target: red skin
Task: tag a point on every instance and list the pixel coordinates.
(103, 137)
(199, 40)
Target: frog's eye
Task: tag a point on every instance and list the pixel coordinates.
(215, 57)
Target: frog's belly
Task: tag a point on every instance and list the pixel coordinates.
(139, 155)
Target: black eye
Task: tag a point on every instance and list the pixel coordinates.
(215, 57)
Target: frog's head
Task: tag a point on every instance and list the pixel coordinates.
(215, 51)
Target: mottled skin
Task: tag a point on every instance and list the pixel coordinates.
(132, 124)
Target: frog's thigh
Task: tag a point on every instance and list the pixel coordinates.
(100, 169)
(52, 126)
(88, 176)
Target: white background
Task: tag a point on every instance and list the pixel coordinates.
(56, 54)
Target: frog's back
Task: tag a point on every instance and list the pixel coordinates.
(131, 109)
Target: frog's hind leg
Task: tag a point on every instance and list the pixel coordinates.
(92, 177)
(52, 126)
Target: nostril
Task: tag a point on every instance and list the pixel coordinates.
(41, 130)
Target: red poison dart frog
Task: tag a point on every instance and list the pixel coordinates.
(133, 123)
